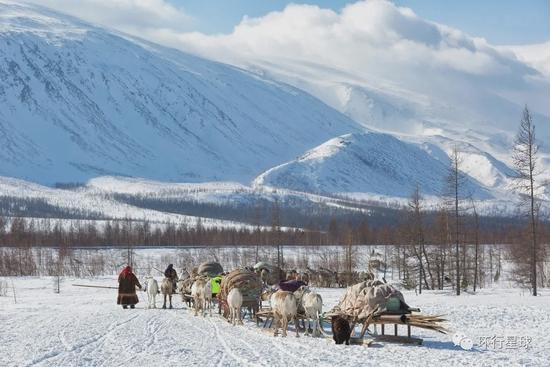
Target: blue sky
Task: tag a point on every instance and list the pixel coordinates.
(499, 21)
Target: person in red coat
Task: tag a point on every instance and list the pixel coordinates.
(127, 283)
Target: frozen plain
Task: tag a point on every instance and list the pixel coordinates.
(85, 327)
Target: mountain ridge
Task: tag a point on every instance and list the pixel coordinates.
(83, 102)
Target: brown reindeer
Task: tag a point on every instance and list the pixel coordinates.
(341, 331)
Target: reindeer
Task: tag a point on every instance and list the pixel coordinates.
(152, 289)
(341, 330)
(166, 287)
(183, 287)
(327, 277)
(311, 304)
(235, 302)
(304, 277)
(201, 291)
(284, 307)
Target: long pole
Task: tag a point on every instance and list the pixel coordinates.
(94, 286)
(13, 289)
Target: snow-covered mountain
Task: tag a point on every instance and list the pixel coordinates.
(79, 101)
(370, 163)
(394, 72)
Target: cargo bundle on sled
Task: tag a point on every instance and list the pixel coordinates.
(376, 303)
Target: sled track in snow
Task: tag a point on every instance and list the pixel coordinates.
(228, 349)
(80, 347)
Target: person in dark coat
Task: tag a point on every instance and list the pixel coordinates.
(171, 274)
(291, 285)
(127, 283)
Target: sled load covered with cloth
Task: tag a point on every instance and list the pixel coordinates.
(250, 285)
(210, 269)
(374, 302)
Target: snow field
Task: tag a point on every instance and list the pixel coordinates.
(85, 327)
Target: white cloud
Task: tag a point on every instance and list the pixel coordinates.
(137, 17)
(370, 42)
(368, 37)
(373, 40)
(537, 55)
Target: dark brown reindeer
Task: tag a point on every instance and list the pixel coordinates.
(341, 331)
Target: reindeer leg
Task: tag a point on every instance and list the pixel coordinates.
(317, 327)
(285, 325)
(170, 297)
(276, 322)
(164, 304)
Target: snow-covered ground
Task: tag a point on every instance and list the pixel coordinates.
(85, 327)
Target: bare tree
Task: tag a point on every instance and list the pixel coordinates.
(350, 253)
(524, 158)
(456, 194)
(416, 232)
(476, 237)
(276, 231)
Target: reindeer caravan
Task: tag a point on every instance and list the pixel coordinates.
(366, 302)
(275, 304)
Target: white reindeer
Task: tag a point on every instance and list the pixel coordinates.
(312, 305)
(201, 291)
(284, 307)
(208, 296)
(235, 302)
(152, 289)
(166, 287)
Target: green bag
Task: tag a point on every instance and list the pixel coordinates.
(393, 304)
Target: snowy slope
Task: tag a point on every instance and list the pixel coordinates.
(371, 163)
(90, 201)
(482, 125)
(79, 102)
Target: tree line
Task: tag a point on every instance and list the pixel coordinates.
(431, 246)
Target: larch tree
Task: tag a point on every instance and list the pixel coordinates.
(417, 238)
(524, 158)
(456, 194)
(276, 232)
(476, 244)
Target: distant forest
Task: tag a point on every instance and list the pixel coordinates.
(422, 243)
(34, 222)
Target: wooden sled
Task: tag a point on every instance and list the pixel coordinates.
(265, 317)
(407, 319)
